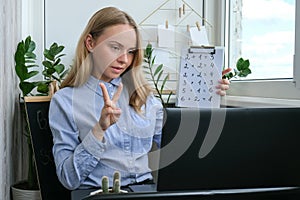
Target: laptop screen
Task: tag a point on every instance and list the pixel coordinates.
(229, 148)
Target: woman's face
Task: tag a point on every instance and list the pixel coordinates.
(113, 51)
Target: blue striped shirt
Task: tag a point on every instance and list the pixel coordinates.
(81, 159)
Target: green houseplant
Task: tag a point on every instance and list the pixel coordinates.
(25, 60)
(242, 69)
(155, 73)
(54, 70)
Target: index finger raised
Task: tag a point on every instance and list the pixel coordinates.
(104, 92)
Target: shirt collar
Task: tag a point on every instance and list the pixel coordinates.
(93, 84)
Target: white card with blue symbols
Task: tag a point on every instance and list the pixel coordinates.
(199, 74)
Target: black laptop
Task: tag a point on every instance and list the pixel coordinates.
(230, 148)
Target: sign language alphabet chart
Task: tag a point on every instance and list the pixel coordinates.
(199, 74)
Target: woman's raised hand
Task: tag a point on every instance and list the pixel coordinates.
(110, 112)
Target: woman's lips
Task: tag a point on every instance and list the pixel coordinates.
(117, 69)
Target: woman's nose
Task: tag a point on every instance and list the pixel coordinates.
(123, 58)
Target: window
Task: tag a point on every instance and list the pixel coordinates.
(221, 14)
(263, 31)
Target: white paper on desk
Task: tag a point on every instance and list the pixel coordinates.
(166, 36)
(199, 37)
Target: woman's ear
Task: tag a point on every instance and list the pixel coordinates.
(89, 43)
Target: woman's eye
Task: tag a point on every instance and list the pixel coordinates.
(133, 51)
(116, 48)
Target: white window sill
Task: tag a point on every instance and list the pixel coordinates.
(243, 101)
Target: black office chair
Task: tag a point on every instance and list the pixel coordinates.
(42, 142)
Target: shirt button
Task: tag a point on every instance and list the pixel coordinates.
(102, 150)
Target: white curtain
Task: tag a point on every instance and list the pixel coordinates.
(12, 142)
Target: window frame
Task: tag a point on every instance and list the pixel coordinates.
(249, 93)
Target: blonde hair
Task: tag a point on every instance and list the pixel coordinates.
(138, 87)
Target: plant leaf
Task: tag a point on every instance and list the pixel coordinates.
(158, 69)
(245, 64)
(55, 78)
(59, 68)
(48, 55)
(29, 44)
(242, 64)
(58, 50)
(26, 87)
(31, 74)
(169, 96)
(19, 55)
(245, 72)
(30, 55)
(164, 82)
(57, 62)
(153, 60)
(239, 62)
(61, 55)
(148, 50)
(43, 88)
(21, 71)
(47, 64)
(159, 75)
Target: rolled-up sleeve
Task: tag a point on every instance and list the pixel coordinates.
(159, 121)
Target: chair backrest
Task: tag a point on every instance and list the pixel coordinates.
(42, 142)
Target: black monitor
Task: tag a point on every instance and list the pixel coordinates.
(230, 148)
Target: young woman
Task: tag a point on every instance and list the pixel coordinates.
(105, 118)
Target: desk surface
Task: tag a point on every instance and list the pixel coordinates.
(287, 193)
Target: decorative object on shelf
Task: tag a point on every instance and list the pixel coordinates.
(242, 69)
